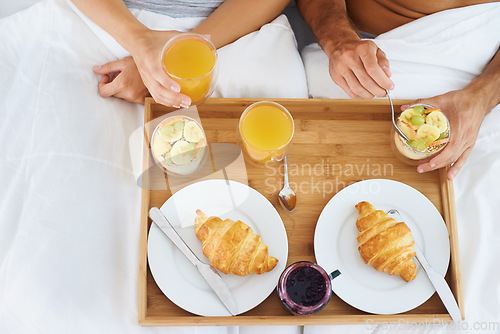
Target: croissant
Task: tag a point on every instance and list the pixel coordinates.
(232, 247)
(384, 243)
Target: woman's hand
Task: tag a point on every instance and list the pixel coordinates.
(121, 79)
(145, 46)
(465, 115)
(141, 75)
(147, 54)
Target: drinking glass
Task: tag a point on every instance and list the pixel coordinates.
(179, 145)
(411, 151)
(266, 130)
(191, 60)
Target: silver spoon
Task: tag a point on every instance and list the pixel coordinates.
(393, 119)
(286, 196)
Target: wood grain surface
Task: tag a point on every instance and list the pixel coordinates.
(336, 143)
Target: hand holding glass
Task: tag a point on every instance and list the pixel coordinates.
(191, 60)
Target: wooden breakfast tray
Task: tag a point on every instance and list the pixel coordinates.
(352, 134)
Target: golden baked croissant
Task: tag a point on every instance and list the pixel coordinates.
(232, 247)
(384, 243)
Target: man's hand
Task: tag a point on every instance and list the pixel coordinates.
(357, 66)
(360, 68)
(465, 116)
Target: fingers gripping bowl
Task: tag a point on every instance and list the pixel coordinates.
(428, 132)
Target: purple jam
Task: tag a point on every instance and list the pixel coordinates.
(304, 288)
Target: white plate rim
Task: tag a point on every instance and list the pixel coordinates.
(435, 247)
(190, 292)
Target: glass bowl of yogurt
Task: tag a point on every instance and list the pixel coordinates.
(179, 145)
(427, 130)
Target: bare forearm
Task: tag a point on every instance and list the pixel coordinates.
(329, 22)
(465, 109)
(115, 18)
(236, 18)
(485, 89)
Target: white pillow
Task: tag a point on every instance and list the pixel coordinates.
(429, 56)
(9, 7)
(319, 82)
(263, 64)
(70, 204)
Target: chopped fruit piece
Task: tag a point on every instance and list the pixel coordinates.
(179, 125)
(406, 115)
(417, 120)
(192, 132)
(428, 132)
(437, 119)
(429, 110)
(408, 130)
(443, 135)
(170, 134)
(160, 146)
(167, 130)
(182, 152)
(419, 144)
(419, 109)
(438, 142)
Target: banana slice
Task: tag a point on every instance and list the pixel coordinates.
(192, 132)
(182, 152)
(428, 132)
(167, 158)
(160, 146)
(407, 115)
(169, 133)
(179, 125)
(438, 119)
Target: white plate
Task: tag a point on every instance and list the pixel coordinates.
(180, 281)
(359, 284)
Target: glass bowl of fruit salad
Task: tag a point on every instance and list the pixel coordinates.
(179, 145)
(427, 129)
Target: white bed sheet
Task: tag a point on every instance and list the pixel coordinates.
(69, 203)
(431, 56)
(69, 200)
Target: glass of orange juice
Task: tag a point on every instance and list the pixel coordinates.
(266, 130)
(191, 60)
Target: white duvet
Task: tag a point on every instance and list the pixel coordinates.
(431, 56)
(69, 202)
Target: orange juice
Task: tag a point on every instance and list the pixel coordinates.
(190, 60)
(266, 129)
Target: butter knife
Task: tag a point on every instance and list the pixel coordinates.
(210, 275)
(442, 288)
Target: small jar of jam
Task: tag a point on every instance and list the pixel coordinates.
(304, 288)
